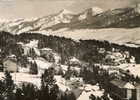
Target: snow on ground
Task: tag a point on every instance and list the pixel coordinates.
(90, 89)
(115, 35)
(37, 52)
(23, 70)
(64, 67)
(134, 69)
(26, 29)
(61, 82)
(24, 77)
(42, 65)
(35, 79)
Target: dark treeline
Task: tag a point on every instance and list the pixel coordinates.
(85, 50)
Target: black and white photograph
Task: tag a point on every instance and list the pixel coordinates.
(69, 49)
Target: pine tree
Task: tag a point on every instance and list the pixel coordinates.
(49, 89)
(54, 92)
(2, 90)
(18, 94)
(48, 78)
(26, 92)
(34, 68)
(68, 74)
(92, 97)
(9, 86)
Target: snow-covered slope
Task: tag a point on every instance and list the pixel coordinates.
(35, 24)
(129, 37)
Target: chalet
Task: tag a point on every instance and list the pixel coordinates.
(123, 90)
(10, 65)
(74, 62)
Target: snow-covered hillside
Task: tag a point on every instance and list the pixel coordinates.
(129, 37)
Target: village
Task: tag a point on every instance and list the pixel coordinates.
(123, 72)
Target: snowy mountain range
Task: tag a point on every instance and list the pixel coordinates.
(91, 18)
(93, 23)
(46, 22)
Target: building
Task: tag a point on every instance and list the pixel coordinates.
(123, 90)
(10, 64)
(45, 51)
(74, 62)
(137, 86)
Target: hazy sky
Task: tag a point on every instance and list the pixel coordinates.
(34, 8)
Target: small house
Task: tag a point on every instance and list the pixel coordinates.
(10, 64)
(123, 90)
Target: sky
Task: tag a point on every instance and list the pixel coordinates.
(12, 9)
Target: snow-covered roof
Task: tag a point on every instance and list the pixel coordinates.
(122, 84)
(12, 56)
(43, 64)
(74, 60)
(128, 85)
(46, 49)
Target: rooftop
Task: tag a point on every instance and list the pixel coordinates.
(122, 84)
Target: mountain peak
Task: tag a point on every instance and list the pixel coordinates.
(65, 11)
(96, 10)
(90, 12)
